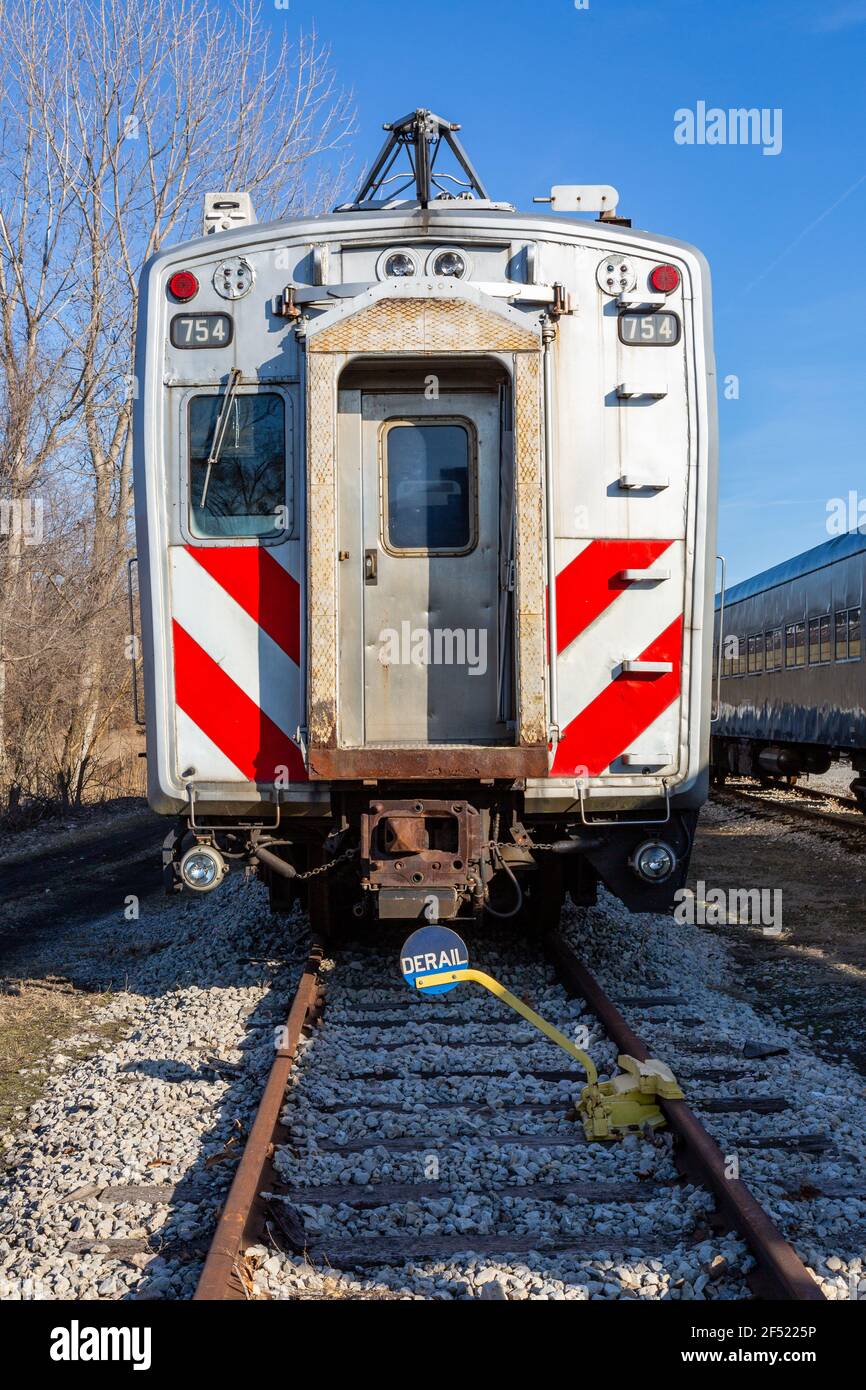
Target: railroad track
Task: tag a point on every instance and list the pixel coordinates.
(792, 801)
(414, 1132)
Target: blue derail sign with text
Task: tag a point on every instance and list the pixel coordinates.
(431, 951)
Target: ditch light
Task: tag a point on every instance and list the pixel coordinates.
(203, 868)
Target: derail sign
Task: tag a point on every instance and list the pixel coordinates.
(432, 951)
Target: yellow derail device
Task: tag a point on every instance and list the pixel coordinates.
(434, 961)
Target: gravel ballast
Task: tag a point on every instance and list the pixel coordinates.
(447, 1096)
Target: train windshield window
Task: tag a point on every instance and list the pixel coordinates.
(244, 492)
(429, 485)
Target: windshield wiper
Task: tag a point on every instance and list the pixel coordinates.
(220, 429)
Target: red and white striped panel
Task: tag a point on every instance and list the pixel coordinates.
(602, 621)
(236, 635)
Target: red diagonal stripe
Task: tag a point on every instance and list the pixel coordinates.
(622, 711)
(228, 716)
(258, 582)
(589, 583)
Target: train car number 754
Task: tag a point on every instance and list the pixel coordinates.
(201, 330)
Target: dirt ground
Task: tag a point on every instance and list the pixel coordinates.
(814, 975)
(54, 879)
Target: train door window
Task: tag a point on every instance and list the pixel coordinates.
(242, 492)
(826, 647)
(854, 634)
(429, 491)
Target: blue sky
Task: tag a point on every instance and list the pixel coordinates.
(547, 93)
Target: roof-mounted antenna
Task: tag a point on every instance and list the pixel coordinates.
(421, 134)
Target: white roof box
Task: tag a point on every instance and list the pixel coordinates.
(581, 197)
(222, 211)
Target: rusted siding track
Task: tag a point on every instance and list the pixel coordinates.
(780, 1273)
(241, 1214)
(769, 805)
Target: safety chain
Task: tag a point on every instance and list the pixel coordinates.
(494, 843)
(353, 854)
(330, 864)
(510, 844)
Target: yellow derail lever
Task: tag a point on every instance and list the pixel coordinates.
(608, 1109)
(478, 977)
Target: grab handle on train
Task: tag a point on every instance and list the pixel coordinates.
(720, 559)
(133, 641)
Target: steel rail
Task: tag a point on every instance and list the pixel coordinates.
(781, 1273)
(756, 797)
(219, 1277)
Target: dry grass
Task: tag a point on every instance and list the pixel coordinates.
(35, 1014)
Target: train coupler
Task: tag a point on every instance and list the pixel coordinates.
(628, 1103)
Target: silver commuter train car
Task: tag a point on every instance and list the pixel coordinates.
(793, 693)
(363, 444)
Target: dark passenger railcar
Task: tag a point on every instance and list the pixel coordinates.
(792, 688)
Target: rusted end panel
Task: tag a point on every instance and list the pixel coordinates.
(413, 326)
(529, 550)
(429, 764)
(405, 326)
(322, 549)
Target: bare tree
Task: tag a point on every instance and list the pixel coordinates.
(124, 112)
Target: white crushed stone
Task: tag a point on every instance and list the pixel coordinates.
(197, 1012)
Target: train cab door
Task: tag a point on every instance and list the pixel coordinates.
(420, 569)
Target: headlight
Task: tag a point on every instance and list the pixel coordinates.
(448, 262)
(653, 861)
(398, 263)
(203, 868)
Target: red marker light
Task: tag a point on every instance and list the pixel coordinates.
(183, 285)
(665, 278)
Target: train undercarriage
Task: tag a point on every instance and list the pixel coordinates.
(776, 762)
(452, 856)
